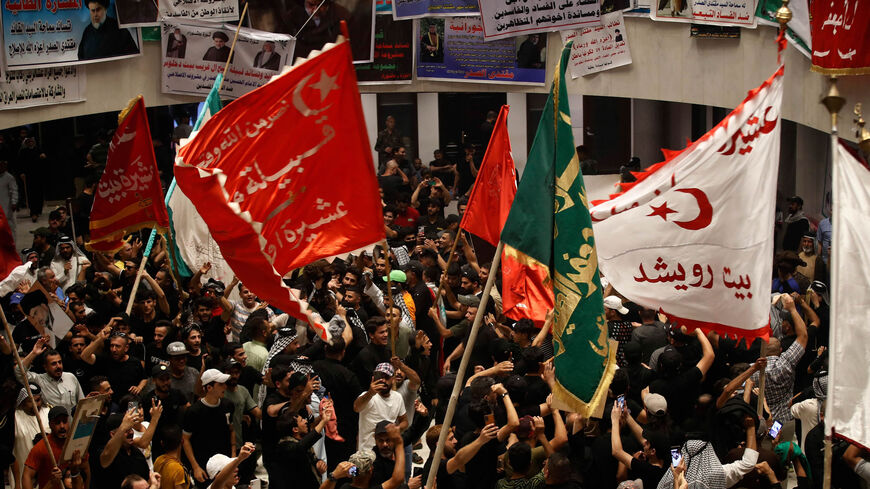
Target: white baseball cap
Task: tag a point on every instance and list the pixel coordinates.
(215, 464)
(214, 375)
(612, 302)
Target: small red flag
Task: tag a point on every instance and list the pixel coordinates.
(9, 258)
(495, 187)
(841, 38)
(129, 196)
(284, 175)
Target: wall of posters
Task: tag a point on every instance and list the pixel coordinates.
(42, 86)
(740, 13)
(508, 18)
(453, 49)
(289, 16)
(600, 47)
(214, 10)
(194, 53)
(394, 53)
(415, 9)
(39, 33)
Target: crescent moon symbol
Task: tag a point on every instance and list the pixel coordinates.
(297, 98)
(705, 210)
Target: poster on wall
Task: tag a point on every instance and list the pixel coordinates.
(64, 32)
(194, 53)
(415, 9)
(508, 18)
(325, 24)
(599, 48)
(738, 13)
(453, 49)
(42, 86)
(213, 10)
(394, 53)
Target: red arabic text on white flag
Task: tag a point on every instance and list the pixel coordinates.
(849, 387)
(701, 242)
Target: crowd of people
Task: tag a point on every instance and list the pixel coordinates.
(206, 385)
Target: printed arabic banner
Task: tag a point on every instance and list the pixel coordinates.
(600, 47)
(194, 53)
(42, 86)
(739, 13)
(39, 33)
(394, 53)
(453, 49)
(508, 18)
(841, 32)
(214, 10)
(415, 9)
(324, 27)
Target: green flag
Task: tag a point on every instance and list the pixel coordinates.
(550, 251)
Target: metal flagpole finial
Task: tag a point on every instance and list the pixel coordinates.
(861, 133)
(833, 101)
(783, 14)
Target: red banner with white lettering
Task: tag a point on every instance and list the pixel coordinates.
(841, 37)
(129, 196)
(284, 175)
(701, 222)
(9, 257)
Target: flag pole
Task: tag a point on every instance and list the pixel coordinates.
(233, 46)
(393, 327)
(460, 373)
(72, 221)
(14, 348)
(139, 272)
(832, 101)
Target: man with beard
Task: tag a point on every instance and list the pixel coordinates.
(342, 387)
(173, 401)
(384, 464)
(27, 426)
(182, 378)
(25, 273)
(125, 372)
(119, 458)
(292, 393)
(59, 388)
(38, 467)
(69, 264)
(380, 402)
(103, 38)
(33, 326)
(815, 268)
(376, 352)
(207, 427)
(299, 463)
(796, 224)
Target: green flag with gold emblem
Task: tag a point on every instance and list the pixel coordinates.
(549, 259)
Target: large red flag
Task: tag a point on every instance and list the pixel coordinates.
(841, 37)
(128, 196)
(9, 258)
(495, 187)
(284, 175)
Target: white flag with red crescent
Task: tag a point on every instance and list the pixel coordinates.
(693, 237)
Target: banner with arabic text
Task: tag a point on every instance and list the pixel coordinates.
(394, 53)
(38, 33)
(599, 48)
(739, 13)
(453, 49)
(213, 10)
(194, 53)
(42, 86)
(841, 37)
(415, 9)
(508, 18)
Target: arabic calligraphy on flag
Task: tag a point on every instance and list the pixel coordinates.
(507, 18)
(841, 37)
(701, 244)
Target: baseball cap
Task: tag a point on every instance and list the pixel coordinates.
(159, 370)
(297, 379)
(655, 404)
(215, 464)
(615, 303)
(56, 412)
(381, 427)
(469, 300)
(230, 364)
(43, 232)
(397, 276)
(176, 348)
(797, 200)
(414, 266)
(363, 460)
(114, 421)
(214, 375)
(386, 369)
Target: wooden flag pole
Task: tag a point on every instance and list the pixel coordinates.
(14, 348)
(460, 373)
(447, 266)
(387, 268)
(136, 282)
(761, 376)
(233, 46)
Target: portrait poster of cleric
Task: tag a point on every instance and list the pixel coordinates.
(40, 33)
(195, 52)
(289, 17)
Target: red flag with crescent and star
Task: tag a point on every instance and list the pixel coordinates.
(128, 196)
(284, 175)
(700, 244)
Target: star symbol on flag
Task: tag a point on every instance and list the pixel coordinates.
(325, 84)
(661, 211)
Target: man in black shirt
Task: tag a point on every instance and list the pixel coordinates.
(207, 428)
(292, 393)
(343, 387)
(125, 373)
(174, 404)
(375, 352)
(119, 458)
(294, 450)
